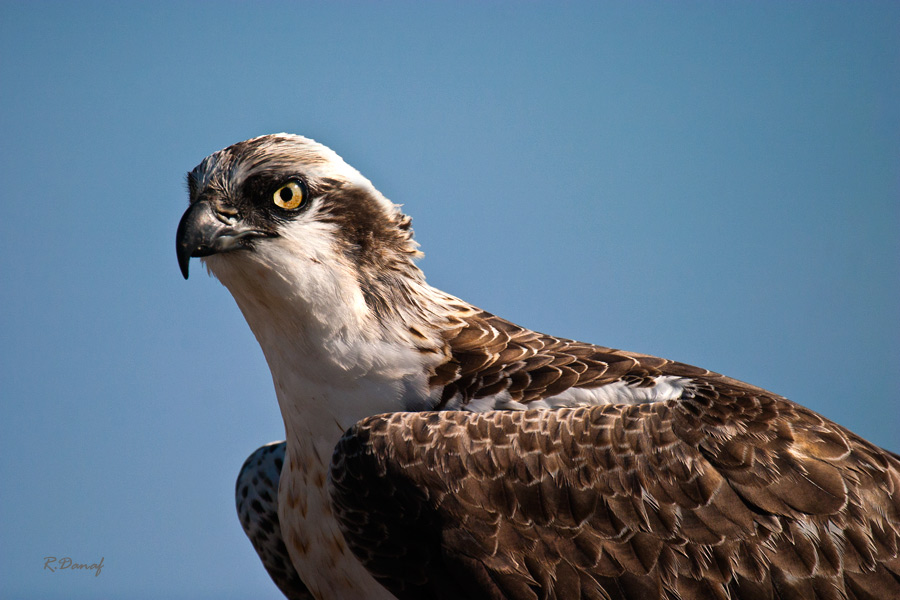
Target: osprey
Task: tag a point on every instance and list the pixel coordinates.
(434, 450)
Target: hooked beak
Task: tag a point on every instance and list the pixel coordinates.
(203, 231)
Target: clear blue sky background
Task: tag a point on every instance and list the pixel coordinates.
(714, 183)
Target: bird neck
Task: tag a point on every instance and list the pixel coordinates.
(341, 344)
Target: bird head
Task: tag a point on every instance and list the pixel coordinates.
(288, 214)
(282, 189)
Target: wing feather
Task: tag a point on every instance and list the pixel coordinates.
(256, 497)
(726, 493)
(486, 355)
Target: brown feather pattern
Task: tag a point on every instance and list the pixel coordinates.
(486, 355)
(729, 492)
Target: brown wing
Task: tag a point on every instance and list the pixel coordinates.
(727, 493)
(487, 355)
(256, 498)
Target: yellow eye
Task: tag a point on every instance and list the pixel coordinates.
(289, 196)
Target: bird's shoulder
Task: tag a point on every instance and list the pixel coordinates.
(492, 363)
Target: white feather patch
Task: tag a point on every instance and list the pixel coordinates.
(666, 387)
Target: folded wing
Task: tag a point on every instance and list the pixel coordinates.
(728, 492)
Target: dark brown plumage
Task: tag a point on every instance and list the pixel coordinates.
(488, 355)
(730, 492)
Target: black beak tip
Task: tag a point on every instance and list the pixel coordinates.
(184, 260)
(183, 241)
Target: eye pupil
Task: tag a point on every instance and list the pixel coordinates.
(286, 194)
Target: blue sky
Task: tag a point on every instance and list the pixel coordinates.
(713, 183)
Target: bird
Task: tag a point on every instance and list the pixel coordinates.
(435, 450)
